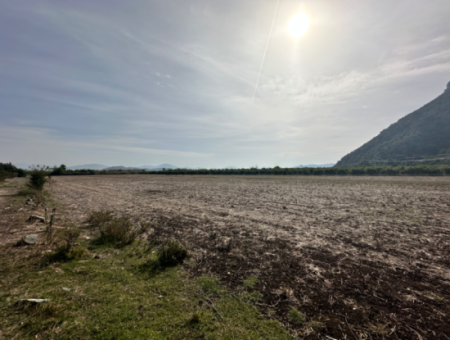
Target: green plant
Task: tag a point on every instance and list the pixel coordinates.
(296, 317)
(38, 177)
(118, 231)
(172, 254)
(194, 319)
(316, 325)
(250, 282)
(97, 219)
(3, 175)
(255, 296)
(210, 285)
(66, 248)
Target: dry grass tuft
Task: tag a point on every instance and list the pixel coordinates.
(99, 218)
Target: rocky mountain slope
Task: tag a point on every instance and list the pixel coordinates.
(423, 134)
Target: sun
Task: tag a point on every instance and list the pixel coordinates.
(298, 25)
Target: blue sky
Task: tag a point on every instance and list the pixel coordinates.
(163, 81)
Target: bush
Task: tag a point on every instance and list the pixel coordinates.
(116, 230)
(3, 175)
(97, 219)
(38, 177)
(172, 254)
(66, 247)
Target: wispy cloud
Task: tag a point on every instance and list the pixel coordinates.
(173, 81)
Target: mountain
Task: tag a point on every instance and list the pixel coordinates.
(423, 134)
(120, 167)
(328, 165)
(159, 167)
(87, 167)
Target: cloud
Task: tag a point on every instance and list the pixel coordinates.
(41, 145)
(173, 80)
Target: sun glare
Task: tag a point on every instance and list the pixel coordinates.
(298, 25)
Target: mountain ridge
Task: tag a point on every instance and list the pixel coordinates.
(422, 134)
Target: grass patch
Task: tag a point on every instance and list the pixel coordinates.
(106, 298)
(296, 317)
(210, 285)
(250, 282)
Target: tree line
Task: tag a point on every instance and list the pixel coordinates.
(400, 170)
(7, 170)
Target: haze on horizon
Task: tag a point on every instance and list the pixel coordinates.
(152, 82)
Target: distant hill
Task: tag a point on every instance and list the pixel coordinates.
(120, 167)
(423, 134)
(159, 167)
(87, 167)
(328, 165)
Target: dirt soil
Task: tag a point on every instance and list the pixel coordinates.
(13, 224)
(361, 257)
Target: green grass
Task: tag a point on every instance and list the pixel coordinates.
(296, 317)
(250, 281)
(110, 298)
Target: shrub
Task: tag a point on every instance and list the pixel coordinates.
(69, 237)
(296, 317)
(66, 247)
(38, 177)
(172, 254)
(97, 219)
(118, 231)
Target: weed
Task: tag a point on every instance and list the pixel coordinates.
(379, 329)
(172, 254)
(255, 296)
(315, 325)
(118, 231)
(250, 282)
(97, 219)
(296, 317)
(66, 248)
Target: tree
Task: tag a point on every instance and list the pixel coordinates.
(38, 178)
(59, 171)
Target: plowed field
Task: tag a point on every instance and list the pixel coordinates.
(361, 257)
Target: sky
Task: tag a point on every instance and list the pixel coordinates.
(138, 82)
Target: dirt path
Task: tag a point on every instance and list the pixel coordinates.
(13, 213)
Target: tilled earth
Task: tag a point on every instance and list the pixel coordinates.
(361, 257)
